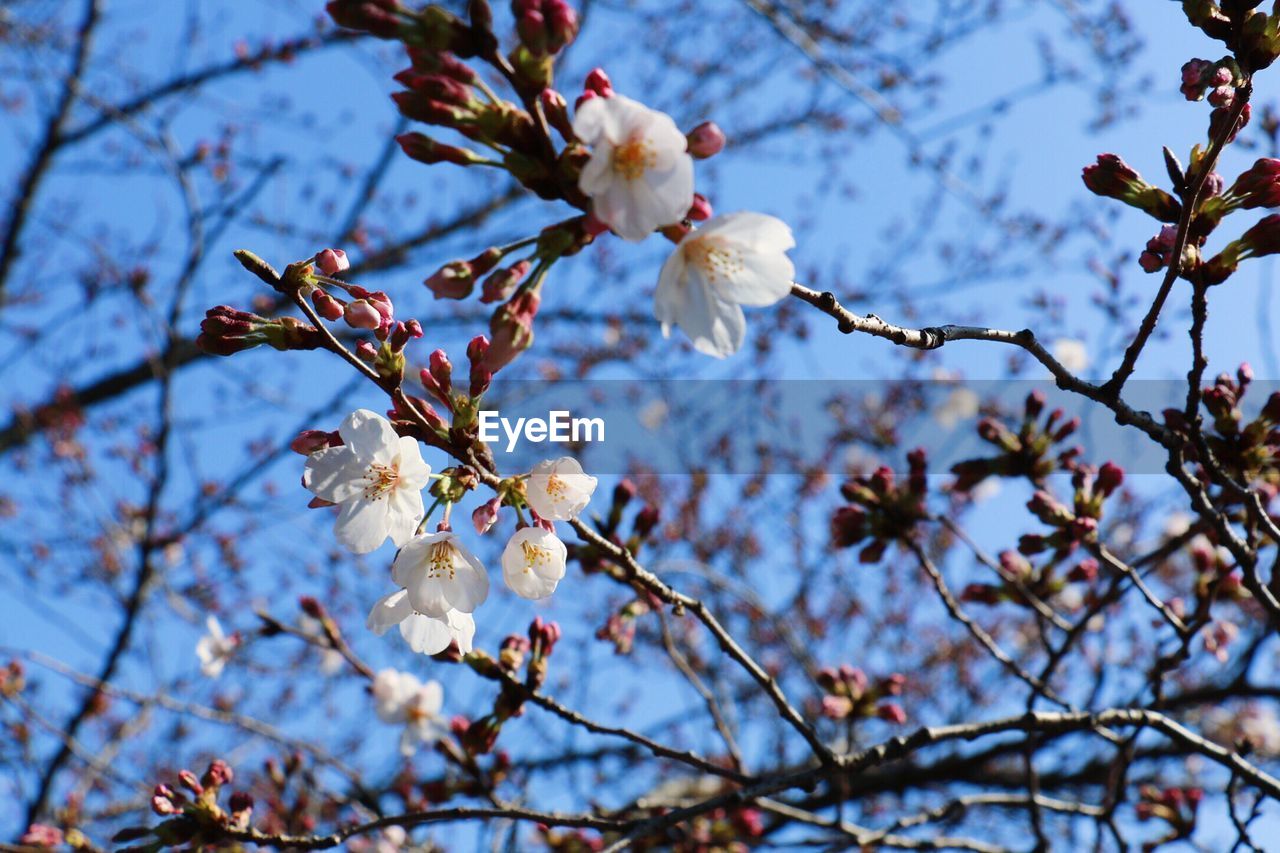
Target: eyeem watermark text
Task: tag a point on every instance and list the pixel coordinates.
(559, 427)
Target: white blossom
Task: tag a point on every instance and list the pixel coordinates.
(533, 562)
(1071, 354)
(401, 699)
(640, 175)
(376, 479)
(558, 489)
(733, 260)
(439, 574)
(215, 648)
(426, 635)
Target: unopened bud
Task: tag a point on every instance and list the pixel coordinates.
(705, 140)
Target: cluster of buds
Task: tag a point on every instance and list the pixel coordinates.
(881, 509)
(1248, 449)
(1078, 523)
(1020, 580)
(1159, 251)
(1114, 178)
(620, 627)
(1031, 452)
(545, 27)
(848, 695)
(1219, 79)
(226, 330)
(593, 560)
(1252, 36)
(1176, 807)
(193, 815)
(532, 652)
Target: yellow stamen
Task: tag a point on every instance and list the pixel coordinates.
(441, 562)
(382, 479)
(632, 158)
(714, 259)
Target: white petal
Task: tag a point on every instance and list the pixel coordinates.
(408, 565)
(414, 472)
(370, 436)
(597, 175)
(537, 578)
(668, 300)
(425, 634)
(764, 279)
(428, 597)
(717, 328)
(463, 627)
(759, 231)
(362, 525)
(608, 119)
(334, 474)
(390, 610)
(468, 588)
(672, 188)
(404, 512)
(430, 698)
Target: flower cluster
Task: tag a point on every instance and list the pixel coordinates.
(191, 810)
(881, 509)
(531, 651)
(1029, 453)
(1078, 523)
(849, 695)
(1248, 449)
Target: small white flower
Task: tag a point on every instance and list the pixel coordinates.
(376, 478)
(733, 260)
(1071, 354)
(401, 698)
(426, 635)
(558, 490)
(533, 562)
(215, 648)
(640, 175)
(961, 405)
(439, 575)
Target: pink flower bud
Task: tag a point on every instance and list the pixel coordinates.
(700, 210)
(511, 328)
(424, 149)
(361, 314)
(501, 284)
(891, 712)
(42, 835)
(598, 82)
(706, 140)
(326, 306)
(310, 440)
(366, 352)
(486, 515)
(332, 261)
(454, 280)
(219, 773)
(190, 782)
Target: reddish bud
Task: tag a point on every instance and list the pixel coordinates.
(332, 261)
(705, 140)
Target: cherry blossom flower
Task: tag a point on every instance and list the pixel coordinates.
(558, 490)
(1071, 354)
(215, 648)
(534, 562)
(401, 698)
(376, 477)
(734, 260)
(440, 575)
(426, 635)
(640, 175)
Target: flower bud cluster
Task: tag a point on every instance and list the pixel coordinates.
(848, 694)
(1076, 524)
(881, 509)
(1032, 452)
(193, 815)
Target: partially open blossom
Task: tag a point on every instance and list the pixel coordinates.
(533, 562)
(640, 175)
(486, 515)
(511, 330)
(401, 698)
(440, 575)
(215, 648)
(428, 635)
(332, 261)
(558, 489)
(376, 477)
(361, 314)
(734, 260)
